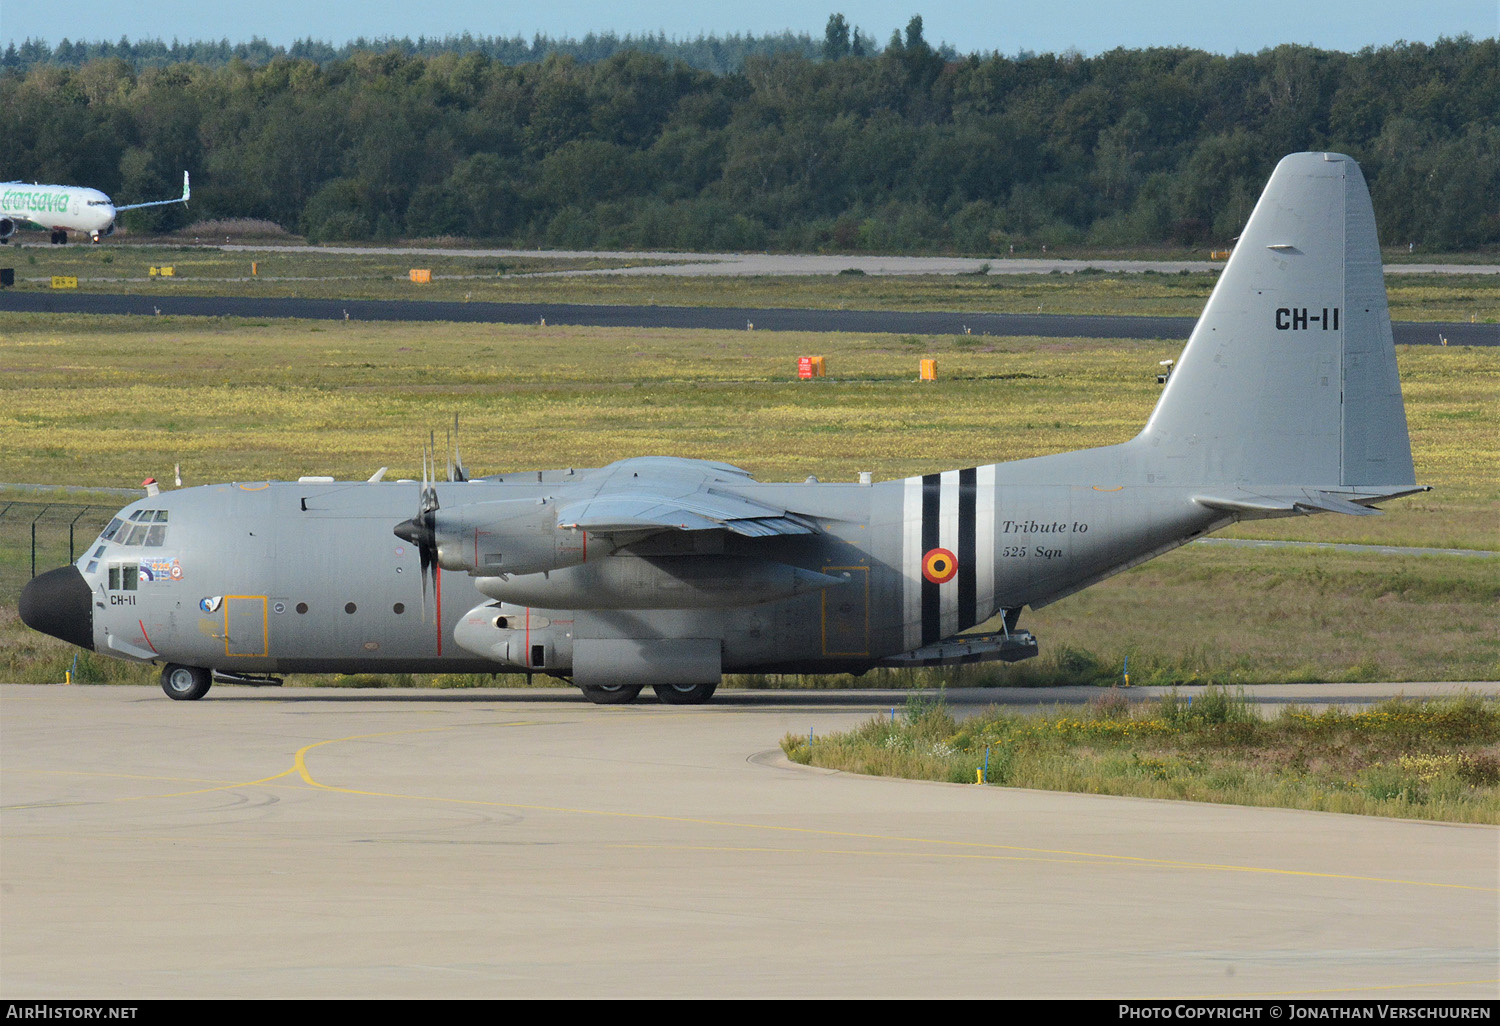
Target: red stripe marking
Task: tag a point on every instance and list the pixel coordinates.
(147, 637)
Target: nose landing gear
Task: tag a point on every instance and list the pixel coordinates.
(185, 683)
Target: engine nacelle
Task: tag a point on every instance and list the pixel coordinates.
(513, 536)
(526, 639)
(7, 227)
(658, 582)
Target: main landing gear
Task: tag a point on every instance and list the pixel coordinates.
(59, 238)
(611, 694)
(684, 694)
(667, 694)
(185, 683)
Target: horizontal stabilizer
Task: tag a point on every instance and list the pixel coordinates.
(1252, 504)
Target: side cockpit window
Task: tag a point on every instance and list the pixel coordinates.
(124, 577)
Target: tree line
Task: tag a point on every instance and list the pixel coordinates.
(846, 147)
(718, 54)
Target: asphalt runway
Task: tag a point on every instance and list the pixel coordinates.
(524, 843)
(701, 318)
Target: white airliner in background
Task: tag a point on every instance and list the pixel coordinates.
(65, 208)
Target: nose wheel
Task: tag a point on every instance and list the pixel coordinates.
(185, 683)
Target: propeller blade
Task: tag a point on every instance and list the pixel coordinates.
(421, 530)
(459, 473)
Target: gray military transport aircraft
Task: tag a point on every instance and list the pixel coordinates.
(670, 572)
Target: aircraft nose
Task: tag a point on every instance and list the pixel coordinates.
(57, 603)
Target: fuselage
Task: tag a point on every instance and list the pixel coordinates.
(279, 577)
(57, 207)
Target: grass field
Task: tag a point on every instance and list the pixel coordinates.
(108, 401)
(1437, 759)
(332, 273)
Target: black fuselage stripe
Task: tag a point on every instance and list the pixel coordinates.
(968, 576)
(932, 612)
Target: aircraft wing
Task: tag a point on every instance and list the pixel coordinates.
(705, 510)
(186, 192)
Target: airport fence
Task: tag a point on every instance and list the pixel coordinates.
(37, 536)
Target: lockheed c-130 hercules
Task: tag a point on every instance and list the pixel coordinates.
(670, 572)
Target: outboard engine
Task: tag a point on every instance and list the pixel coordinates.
(7, 227)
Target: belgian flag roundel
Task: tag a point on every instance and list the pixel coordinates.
(939, 566)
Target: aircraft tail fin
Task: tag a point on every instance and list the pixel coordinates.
(1289, 377)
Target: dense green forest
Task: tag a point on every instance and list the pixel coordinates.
(901, 148)
(719, 54)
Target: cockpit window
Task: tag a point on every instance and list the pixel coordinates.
(144, 527)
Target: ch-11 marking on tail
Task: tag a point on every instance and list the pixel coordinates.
(669, 572)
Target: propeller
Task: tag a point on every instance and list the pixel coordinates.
(421, 530)
(456, 471)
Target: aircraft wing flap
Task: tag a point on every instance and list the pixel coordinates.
(703, 511)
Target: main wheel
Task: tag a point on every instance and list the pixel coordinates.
(611, 694)
(185, 683)
(684, 694)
